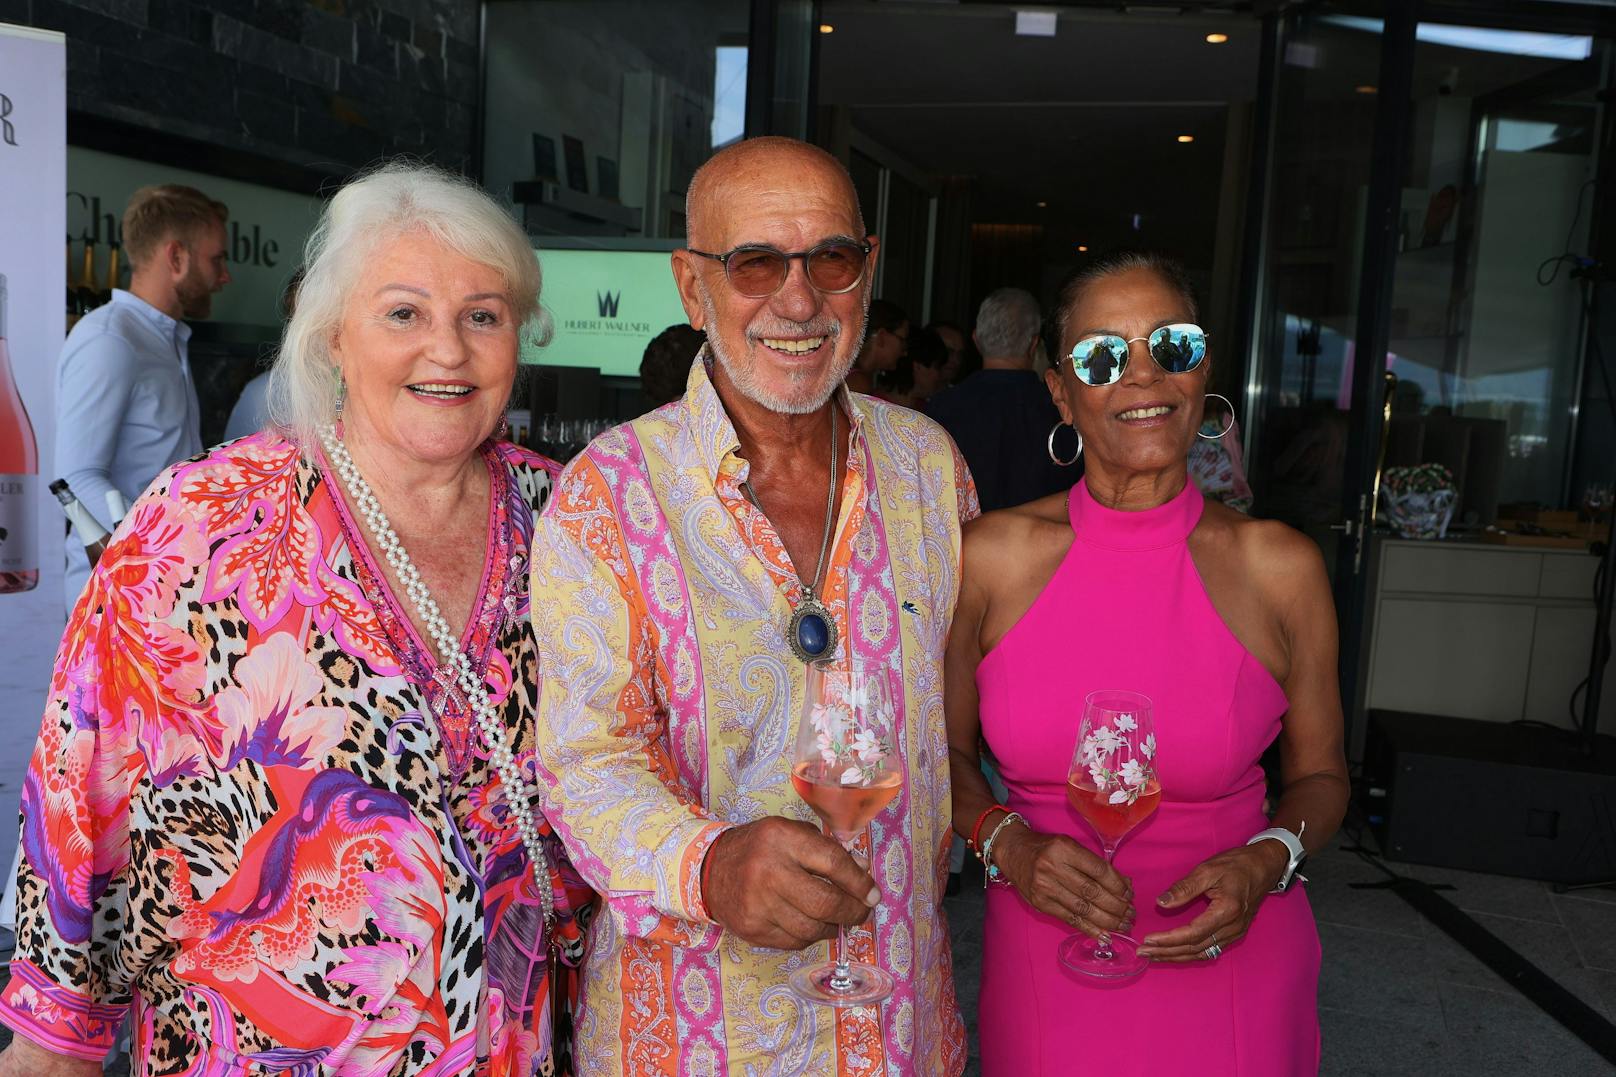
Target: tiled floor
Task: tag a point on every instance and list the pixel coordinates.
(1398, 996)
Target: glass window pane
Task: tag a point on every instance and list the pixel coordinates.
(1487, 325)
(597, 112)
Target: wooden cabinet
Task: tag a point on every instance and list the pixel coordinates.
(1470, 631)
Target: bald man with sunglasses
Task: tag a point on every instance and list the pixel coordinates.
(694, 563)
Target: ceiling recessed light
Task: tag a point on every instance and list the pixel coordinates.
(1042, 204)
(1036, 23)
(1081, 249)
(1186, 138)
(826, 28)
(1367, 89)
(1216, 39)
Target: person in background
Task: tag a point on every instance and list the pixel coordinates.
(667, 574)
(278, 808)
(919, 374)
(665, 367)
(959, 348)
(126, 405)
(1001, 416)
(886, 339)
(1216, 462)
(251, 413)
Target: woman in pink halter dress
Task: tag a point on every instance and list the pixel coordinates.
(1133, 581)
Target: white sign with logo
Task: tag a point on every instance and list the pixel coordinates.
(606, 306)
(33, 139)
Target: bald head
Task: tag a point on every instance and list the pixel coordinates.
(766, 168)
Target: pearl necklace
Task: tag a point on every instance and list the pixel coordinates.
(518, 794)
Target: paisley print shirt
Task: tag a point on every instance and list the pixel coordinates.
(258, 816)
(668, 713)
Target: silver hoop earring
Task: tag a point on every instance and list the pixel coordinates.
(1226, 426)
(1050, 446)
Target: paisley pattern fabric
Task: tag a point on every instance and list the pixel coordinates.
(257, 816)
(668, 714)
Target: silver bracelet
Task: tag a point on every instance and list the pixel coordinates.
(993, 873)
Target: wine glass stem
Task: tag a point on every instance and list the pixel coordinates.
(1104, 952)
(842, 978)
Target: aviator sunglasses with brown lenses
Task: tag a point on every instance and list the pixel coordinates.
(758, 271)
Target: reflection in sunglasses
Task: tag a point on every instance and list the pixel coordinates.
(1100, 360)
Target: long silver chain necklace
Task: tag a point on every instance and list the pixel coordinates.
(811, 633)
(519, 795)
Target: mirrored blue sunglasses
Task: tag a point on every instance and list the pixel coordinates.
(1100, 360)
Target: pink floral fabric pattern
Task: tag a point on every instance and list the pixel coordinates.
(258, 817)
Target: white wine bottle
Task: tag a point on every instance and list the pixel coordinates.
(85, 525)
(19, 478)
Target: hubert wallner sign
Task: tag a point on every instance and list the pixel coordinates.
(605, 306)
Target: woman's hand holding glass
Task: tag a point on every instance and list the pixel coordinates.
(1061, 878)
(1234, 883)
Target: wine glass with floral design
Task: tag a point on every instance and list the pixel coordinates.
(1112, 784)
(846, 768)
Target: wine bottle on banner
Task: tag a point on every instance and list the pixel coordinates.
(85, 525)
(19, 478)
(86, 288)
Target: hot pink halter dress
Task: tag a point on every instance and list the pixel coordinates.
(1127, 609)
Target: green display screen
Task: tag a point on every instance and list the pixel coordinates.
(606, 306)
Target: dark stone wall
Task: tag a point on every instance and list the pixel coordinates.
(327, 86)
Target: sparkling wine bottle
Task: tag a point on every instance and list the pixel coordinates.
(73, 310)
(19, 478)
(104, 295)
(85, 525)
(86, 288)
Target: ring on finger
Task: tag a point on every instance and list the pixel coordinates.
(1213, 952)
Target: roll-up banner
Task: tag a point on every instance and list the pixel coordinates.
(33, 175)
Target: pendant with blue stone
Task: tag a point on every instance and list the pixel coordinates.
(811, 633)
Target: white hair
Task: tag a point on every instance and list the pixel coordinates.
(372, 209)
(1006, 322)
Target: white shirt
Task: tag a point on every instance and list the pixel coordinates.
(126, 409)
(251, 413)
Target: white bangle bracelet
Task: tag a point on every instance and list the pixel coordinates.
(993, 874)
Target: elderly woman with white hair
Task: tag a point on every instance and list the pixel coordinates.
(280, 812)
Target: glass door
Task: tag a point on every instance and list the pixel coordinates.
(1308, 320)
(1432, 188)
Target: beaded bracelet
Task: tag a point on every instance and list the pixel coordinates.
(976, 831)
(993, 874)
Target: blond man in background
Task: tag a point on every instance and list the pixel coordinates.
(126, 406)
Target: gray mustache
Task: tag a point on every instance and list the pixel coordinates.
(832, 329)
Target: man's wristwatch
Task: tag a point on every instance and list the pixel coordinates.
(1293, 844)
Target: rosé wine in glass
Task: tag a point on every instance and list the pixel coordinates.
(1112, 821)
(1112, 784)
(846, 767)
(846, 809)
